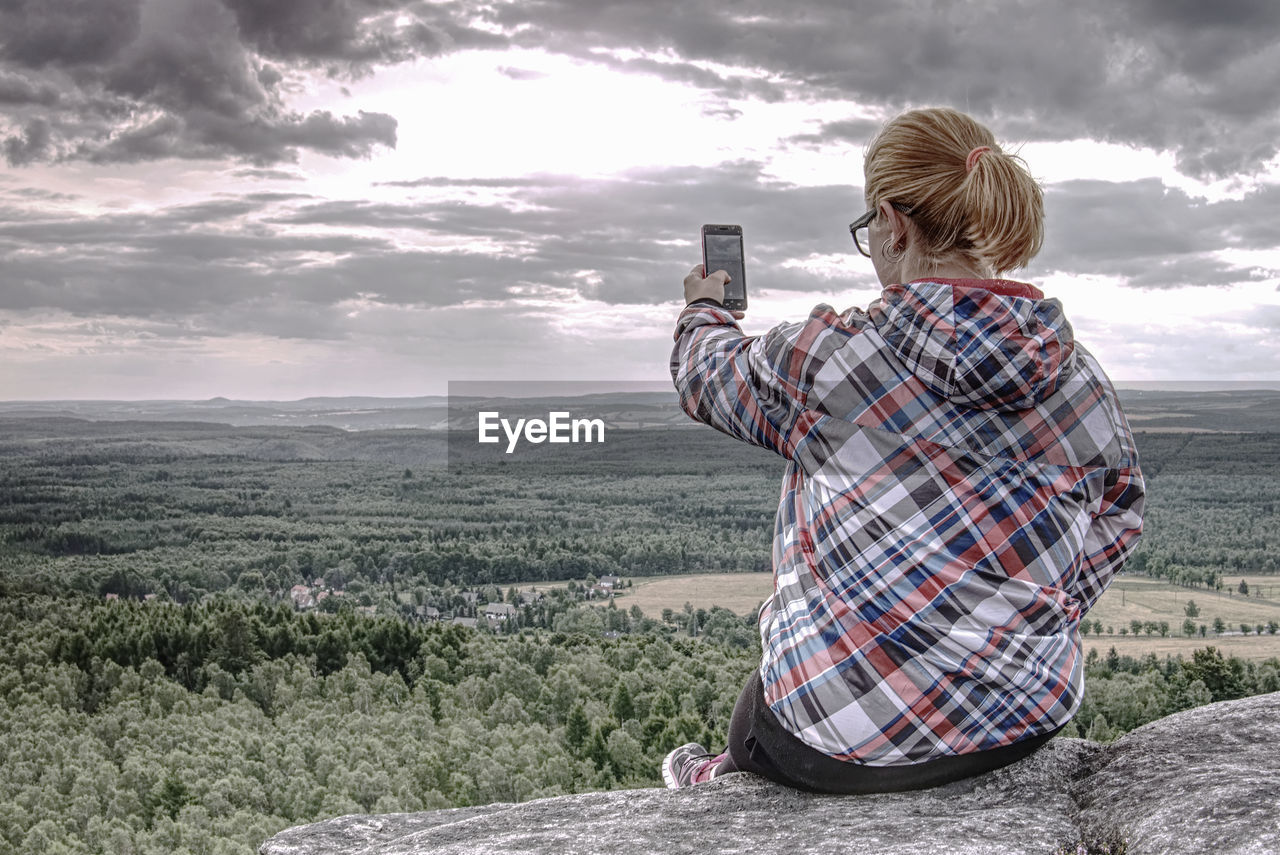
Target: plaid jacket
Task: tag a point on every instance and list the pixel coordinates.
(962, 487)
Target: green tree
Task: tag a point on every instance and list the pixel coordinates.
(577, 727)
(234, 648)
(1225, 679)
(1188, 627)
(1243, 587)
(1191, 609)
(1099, 730)
(598, 748)
(170, 795)
(1219, 625)
(1113, 660)
(623, 705)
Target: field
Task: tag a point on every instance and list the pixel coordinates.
(1129, 598)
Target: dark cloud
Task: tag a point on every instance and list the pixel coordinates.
(202, 136)
(520, 73)
(42, 194)
(71, 33)
(1152, 235)
(114, 81)
(30, 145)
(269, 174)
(841, 130)
(132, 80)
(1187, 77)
(353, 34)
(214, 264)
(289, 265)
(17, 89)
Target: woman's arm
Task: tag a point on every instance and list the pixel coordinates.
(1113, 534)
(750, 387)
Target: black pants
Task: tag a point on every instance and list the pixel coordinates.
(758, 743)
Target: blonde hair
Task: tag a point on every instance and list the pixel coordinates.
(991, 213)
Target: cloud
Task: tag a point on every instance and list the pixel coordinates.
(286, 265)
(31, 145)
(520, 73)
(269, 174)
(68, 33)
(294, 266)
(543, 273)
(1153, 235)
(18, 89)
(130, 80)
(121, 81)
(857, 130)
(1201, 80)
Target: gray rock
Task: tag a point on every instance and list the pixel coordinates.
(1206, 781)
(1203, 781)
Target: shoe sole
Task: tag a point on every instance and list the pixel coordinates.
(667, 775)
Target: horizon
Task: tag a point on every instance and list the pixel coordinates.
(1172, 386)
(200, 199)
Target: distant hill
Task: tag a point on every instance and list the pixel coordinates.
(1248, 411)
(1232, 410)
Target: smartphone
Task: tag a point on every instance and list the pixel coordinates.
(722, 250)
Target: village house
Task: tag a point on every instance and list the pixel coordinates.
(301, 597)
(499, 611)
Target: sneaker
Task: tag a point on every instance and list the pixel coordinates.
(688, 765)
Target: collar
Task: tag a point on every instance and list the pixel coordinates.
(1000, 287)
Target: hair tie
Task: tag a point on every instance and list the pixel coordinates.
(972, 160)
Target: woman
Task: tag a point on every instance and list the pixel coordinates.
(962, 486)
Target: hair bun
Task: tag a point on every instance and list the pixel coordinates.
(993, 215)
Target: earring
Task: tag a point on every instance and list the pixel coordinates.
(890, 252)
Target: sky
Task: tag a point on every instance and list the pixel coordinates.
(276, 200)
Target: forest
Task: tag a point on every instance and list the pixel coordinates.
(185, 511)
(164, 692)
(157, 728)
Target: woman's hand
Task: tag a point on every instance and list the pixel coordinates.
(700, 287)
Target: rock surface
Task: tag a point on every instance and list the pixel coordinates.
(1203, 781)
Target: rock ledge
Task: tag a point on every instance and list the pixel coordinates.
(1202, 781)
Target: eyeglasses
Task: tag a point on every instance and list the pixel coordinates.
(860, 228)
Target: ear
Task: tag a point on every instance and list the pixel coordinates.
(897, 222)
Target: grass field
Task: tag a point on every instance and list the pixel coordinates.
(1129, 598)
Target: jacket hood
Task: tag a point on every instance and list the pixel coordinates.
(982, 343)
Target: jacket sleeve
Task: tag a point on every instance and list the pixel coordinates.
(1114, 530)
(750, 387)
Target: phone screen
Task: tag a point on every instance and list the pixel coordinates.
(724, 252)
